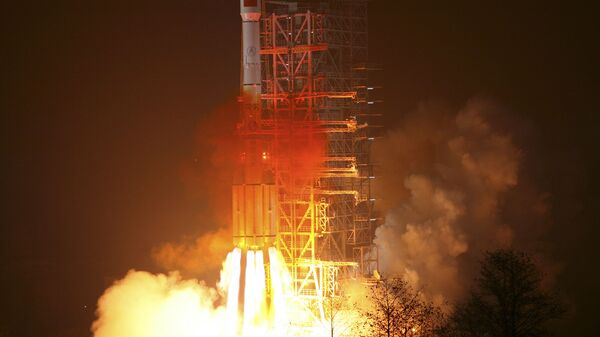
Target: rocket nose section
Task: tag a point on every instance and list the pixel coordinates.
(249, 3)
(250, 10)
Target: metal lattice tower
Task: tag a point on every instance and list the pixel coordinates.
(303, 182)
(315, 94)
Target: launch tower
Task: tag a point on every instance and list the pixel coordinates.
(305, 131)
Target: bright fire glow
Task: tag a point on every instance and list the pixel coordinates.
(261, 315)
(147, 305)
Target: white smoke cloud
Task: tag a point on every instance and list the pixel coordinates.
(148, 305)
(158, 305)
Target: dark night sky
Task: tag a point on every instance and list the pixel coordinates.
(100, 104)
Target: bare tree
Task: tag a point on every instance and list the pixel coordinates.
(398, 310)
(507, 302)
(334, 308)
(343, 317)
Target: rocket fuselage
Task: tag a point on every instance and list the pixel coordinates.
(250, 11)
(254, 192)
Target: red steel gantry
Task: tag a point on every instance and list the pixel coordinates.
(310, 133)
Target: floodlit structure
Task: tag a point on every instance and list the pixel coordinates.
(305, 130)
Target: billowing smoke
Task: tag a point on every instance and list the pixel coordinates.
(147, 305)
(195, 258)
(451, 188)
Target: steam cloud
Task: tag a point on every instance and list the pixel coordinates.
(200, 257)
(451, 189)
(147, 305)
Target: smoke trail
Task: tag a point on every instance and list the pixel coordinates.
(449, 181)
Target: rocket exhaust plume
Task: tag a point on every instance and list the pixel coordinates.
(142, 304)
(302, 213)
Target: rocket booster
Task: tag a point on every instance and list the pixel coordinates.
(254, 193)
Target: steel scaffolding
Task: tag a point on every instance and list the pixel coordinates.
(315, 78)
(316, 115)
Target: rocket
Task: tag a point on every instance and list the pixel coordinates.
(250, 11)
(254, 192)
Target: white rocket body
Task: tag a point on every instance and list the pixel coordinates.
(250, 11)
(254, 192)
